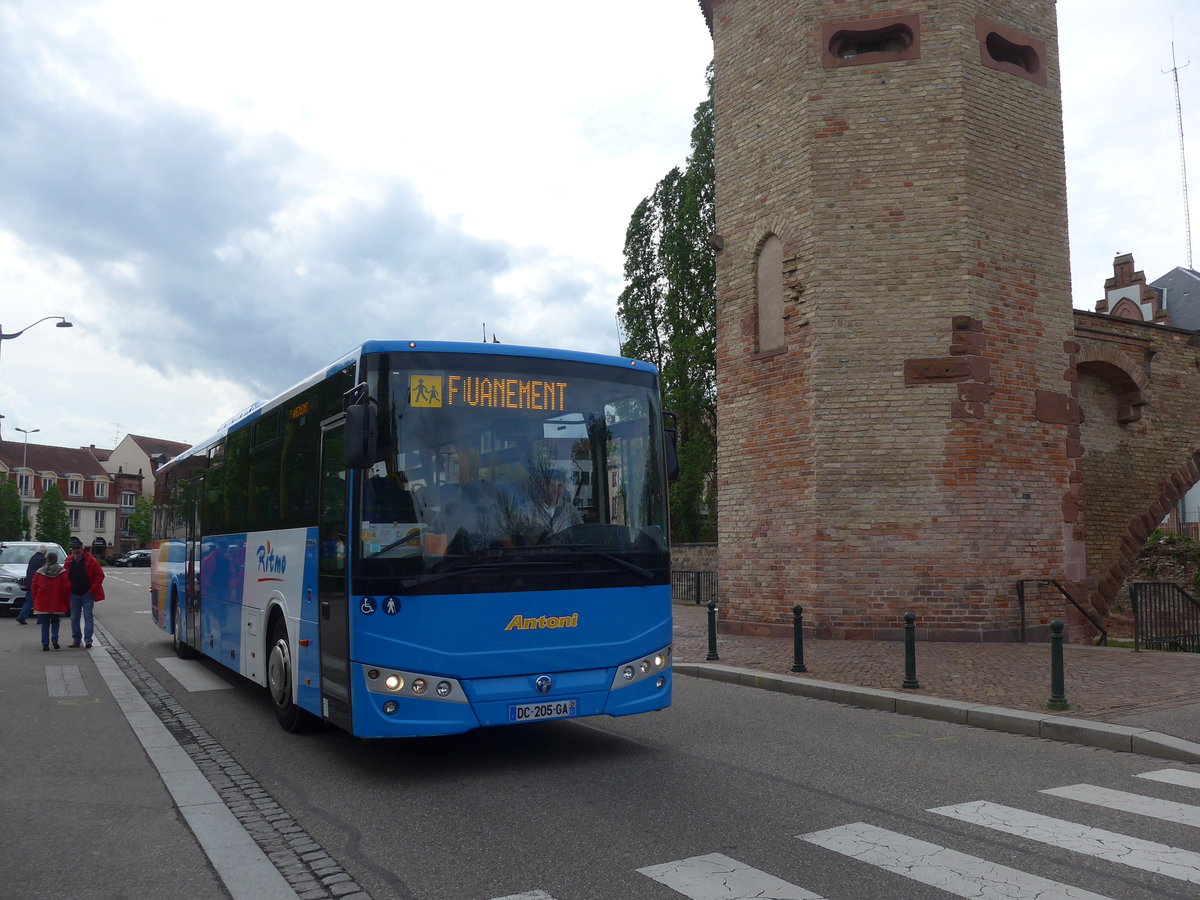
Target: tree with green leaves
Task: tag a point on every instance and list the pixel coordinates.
(139, 519)
(667, 315)
(53, 524)
(12, 512)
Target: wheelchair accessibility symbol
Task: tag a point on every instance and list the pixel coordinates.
(367, 607)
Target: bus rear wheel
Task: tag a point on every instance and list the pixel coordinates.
(279, 682)
(182, 649)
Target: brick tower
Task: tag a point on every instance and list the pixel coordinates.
(897, 428)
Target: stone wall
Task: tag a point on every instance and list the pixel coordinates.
(694, 557)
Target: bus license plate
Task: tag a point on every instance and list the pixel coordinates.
(533, 712)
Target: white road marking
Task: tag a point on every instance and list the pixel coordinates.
(947, 870)
(1177, 777)
(715, 876)
(1167, 810)
(193, 675)
(528, 895)
(1130, 851)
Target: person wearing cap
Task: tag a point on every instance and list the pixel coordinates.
(51, 588)
(35, 562)
(87, 589)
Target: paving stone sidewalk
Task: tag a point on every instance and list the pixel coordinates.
(1104, 683)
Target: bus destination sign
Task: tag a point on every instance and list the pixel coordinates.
(432, 390)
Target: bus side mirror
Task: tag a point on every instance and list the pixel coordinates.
(672, 454)
(362, 436)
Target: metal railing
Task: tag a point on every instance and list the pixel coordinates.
(1165, 617)
(697, 587)
(1091, 617)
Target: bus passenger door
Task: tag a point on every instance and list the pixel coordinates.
(191, 570)
(333, 614)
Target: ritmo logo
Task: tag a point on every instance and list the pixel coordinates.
(270, 561)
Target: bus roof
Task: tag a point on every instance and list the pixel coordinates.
(260, 407)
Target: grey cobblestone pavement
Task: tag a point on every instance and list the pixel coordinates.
(312, 873)
(1107, 684)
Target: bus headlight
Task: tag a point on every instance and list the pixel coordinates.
(656, 663)
(413, 685)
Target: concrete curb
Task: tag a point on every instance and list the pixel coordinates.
(1042, 725)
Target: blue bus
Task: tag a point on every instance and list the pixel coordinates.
(426, 538)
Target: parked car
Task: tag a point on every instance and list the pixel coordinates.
(14, 560)
(132, 558)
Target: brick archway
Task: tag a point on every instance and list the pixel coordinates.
(1117, 367)
(1138, 464)
(1140, 527)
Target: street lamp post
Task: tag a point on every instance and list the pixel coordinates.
(25, 452)
(62, 323)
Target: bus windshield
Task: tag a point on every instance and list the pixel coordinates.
(507, 473)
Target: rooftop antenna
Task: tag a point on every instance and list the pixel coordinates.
(1187, 215)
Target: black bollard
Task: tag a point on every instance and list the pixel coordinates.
(797, 615)
(712, 630)
(1058, 691)
(910, 652)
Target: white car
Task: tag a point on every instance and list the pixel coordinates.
(14, 560)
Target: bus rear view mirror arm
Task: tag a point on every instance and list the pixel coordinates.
(362, 436)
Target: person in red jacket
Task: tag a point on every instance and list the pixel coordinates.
(51, 591)
(86, 576)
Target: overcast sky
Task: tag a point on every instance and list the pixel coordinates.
(223, 197)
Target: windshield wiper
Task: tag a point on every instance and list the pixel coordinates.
(463, 568)
(604, 554)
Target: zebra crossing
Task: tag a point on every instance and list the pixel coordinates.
(714, 876)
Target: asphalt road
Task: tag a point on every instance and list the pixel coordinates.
(730, 793)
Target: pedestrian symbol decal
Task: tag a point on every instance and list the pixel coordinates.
(425, 390)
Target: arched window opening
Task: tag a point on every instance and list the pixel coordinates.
(770, 295)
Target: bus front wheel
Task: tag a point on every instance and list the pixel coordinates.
(279, 681)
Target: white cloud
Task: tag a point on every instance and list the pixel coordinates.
(224, 197)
